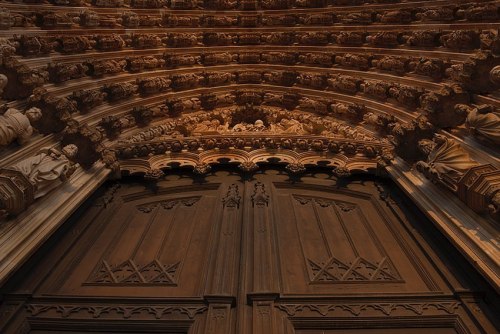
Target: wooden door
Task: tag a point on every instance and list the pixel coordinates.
(261, 255)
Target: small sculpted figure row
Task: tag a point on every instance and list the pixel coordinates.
(88, 18)
(434, 68)
(29, 45)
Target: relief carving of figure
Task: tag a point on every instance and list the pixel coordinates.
(48, 168)
(14, 125)
(483, 121)
(447, 161)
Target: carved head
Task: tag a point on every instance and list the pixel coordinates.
(33, 114)
(70, 151)
(426, 146)
(495, 75)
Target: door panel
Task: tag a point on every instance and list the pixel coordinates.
(228, 255)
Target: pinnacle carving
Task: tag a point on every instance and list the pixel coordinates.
(232, 199)
(259, 197)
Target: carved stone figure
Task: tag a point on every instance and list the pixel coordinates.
(249, 77)
(35, 45)
(317, 19)
(212, 59)
(246, 96)
(248, 39)
(19, 79)
(282, 78)
(440, 106)
(461, 40)
(495, 75)
(313, 38)
(249, 58)
(183, 4)
(74, 44)
(218, 78)
(138, 64)
(425, 38)
(353, 112)
(169, 20)
(60, 72)
(359, 61)
(219, 21)
(384, 39)
(344, 83)
(119, 91)
(400, 16)
(285, 58)
(54, 20)
(433, 68)
(48, 169)
(480, 73)
(351, 38)
(14, 125)
(153, 85)
(88, 99)
(281, 38)
(319, 59)
(406, 95)
(437, 14)
(279, 20)
(447, 161)
(483, 122)
(183, 40)
(146, 41)
(150, 4)
(376, 88)
(215, 38)
(316, 106)
(399, 65)
(313, 80)
(273, 4)
(102, 67)
(56, 111)
(186, 81)
(3, 83)
(477, 13)
(365, 17)
(178, 106)
(111, 42)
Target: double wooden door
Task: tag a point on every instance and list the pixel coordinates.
(262, 255)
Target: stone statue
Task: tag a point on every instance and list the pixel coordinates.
(483, 121)
(447, 161)
(3, 83)
(14, 125)
(495, 75)
(48, 168)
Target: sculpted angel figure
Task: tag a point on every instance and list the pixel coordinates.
(48, 169)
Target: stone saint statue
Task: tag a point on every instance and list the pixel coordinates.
(447, 161)
(48, 169)
(14, 125)
(484, 122)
